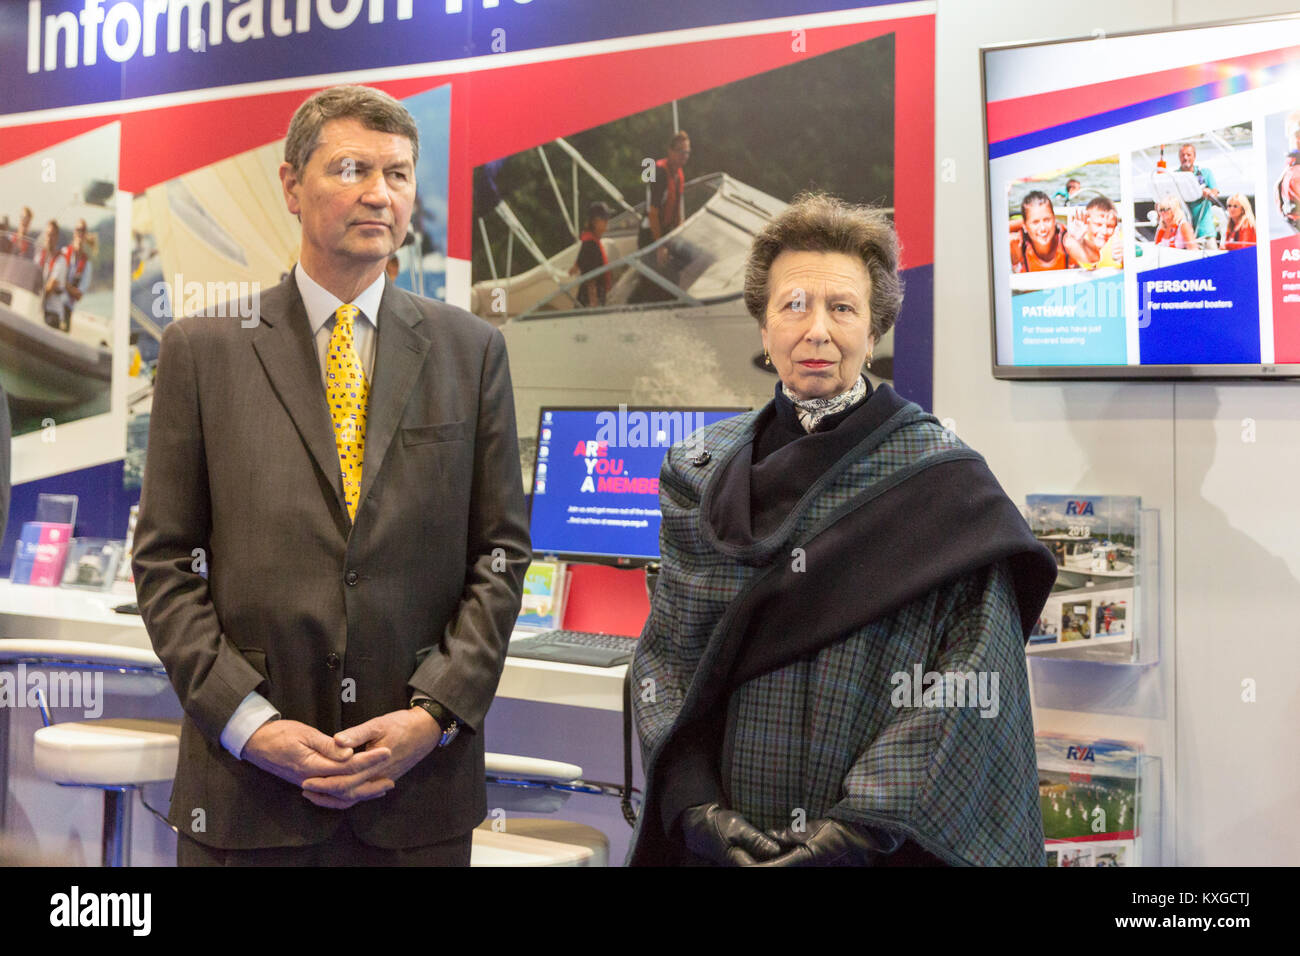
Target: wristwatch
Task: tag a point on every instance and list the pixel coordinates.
(445, 718)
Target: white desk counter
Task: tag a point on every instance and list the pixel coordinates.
(65, 614)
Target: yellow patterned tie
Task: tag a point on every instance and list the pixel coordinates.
(347, 390)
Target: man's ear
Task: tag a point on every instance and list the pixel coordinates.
(289, 182)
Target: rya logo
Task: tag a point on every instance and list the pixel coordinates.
(1081, 753)
(1078, 508)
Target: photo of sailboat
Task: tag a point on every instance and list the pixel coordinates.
(669, 326)
(694, 342)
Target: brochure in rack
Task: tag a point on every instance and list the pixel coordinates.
(1090, 614)
(1089, 793)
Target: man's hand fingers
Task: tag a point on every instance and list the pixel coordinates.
(326, 801)
(363, 762)
(342, 784)
(327, 746)
(356, 786)
(360, 735)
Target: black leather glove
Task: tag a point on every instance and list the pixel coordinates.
(828, 842)
(724, 836)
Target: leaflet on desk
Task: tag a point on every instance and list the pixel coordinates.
(40, 553)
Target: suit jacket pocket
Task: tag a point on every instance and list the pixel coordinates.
(427, 434)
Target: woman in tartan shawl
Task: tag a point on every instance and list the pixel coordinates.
(833, 668)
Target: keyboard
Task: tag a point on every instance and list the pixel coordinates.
(576, 647)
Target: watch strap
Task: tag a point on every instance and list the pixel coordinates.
(445, 718)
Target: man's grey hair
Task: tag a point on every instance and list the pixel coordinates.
(374, 108)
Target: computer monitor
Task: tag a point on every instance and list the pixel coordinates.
(596, 479)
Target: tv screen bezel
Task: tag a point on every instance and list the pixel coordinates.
(1043, 373)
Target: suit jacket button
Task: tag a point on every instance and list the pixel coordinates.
(351, 577)
(332, 661)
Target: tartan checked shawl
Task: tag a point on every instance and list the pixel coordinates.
(777, 705)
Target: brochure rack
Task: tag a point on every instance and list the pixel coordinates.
(1125, 693)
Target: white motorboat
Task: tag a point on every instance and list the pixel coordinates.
(45, 368)
(692, 343)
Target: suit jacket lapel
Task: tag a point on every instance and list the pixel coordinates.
(399, 355)
(284, 345)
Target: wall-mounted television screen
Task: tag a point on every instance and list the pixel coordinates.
(1144, 203)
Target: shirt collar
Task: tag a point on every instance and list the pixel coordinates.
(321, 304)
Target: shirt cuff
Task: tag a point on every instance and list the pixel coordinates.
(252, 712)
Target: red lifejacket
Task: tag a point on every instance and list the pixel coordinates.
(672, 195)
(1059, 260)
(46, 262)
(74, 275)
(1239, 237)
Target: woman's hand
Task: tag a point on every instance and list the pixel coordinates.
(829, 842)
(725, 837)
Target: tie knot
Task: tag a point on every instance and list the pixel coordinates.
(346, 313)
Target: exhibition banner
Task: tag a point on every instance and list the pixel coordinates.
(71, 52)
(171, 160)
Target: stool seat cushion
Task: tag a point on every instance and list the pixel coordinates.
(509, 849)
(106, 753)
(530, 768)
(559, 831)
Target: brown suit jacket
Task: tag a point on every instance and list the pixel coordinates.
(333, 622)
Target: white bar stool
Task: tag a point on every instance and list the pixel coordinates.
(531, 784)
(117, 756)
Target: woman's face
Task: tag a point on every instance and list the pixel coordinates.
(1040, 223)
(1234, 210)
(1167, 215)
(818, 328)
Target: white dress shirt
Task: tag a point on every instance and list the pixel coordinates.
(255, 710)
(321, 305)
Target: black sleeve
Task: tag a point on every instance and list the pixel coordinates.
(589, 257)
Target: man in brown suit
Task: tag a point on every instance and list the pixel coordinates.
(337, 659)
